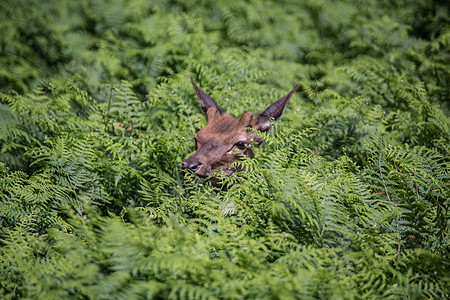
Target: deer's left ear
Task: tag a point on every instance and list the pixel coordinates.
(262, 121)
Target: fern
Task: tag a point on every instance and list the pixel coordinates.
(347, 197)
(407, 178)
(31, 203)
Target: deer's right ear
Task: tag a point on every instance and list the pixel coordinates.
(205, 100)
(263, 121)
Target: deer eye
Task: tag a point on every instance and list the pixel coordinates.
(241, 145)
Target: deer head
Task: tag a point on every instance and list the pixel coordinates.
(220, 143)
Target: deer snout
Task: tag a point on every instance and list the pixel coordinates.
(191, 165)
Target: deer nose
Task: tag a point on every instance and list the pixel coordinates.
(193, 166)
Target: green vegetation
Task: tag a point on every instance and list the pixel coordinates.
(348, 198)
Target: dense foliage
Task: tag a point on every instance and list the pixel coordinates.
(347, 198)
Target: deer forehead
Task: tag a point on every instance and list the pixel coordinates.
(227, 129)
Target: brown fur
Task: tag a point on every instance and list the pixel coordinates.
(220, 142)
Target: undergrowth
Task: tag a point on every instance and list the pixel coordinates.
(348, 196)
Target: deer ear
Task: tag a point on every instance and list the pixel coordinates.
(262, 121)
(205, 100)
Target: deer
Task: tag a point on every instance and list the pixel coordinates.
(225, 139)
